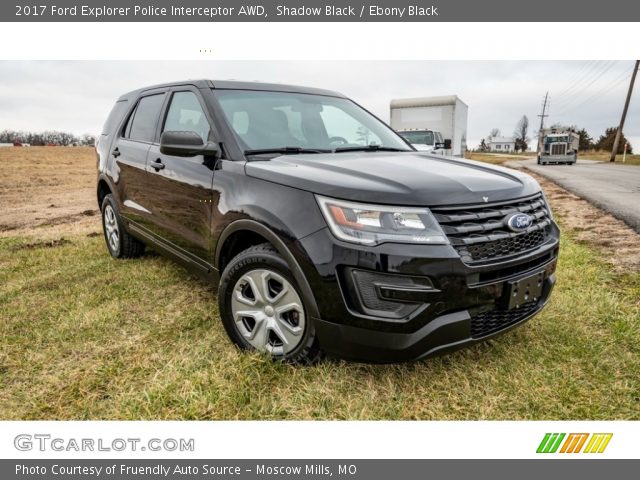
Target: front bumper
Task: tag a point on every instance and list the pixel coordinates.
(424, 300)
(558, 158)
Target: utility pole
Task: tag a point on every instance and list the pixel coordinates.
(542, 116)
(616, 142)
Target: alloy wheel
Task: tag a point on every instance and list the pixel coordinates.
(111, 228)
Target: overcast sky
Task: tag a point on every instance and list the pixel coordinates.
(77, 96)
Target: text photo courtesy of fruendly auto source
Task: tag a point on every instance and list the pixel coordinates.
(425, 240)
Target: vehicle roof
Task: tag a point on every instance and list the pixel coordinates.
(418, 130)
(425, 101)
(235, 85)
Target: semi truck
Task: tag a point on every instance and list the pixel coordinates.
(442, 117)
(558, 145)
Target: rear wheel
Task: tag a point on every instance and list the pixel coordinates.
(119, 243)
(262, 309)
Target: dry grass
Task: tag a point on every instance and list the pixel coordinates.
(497, 158)
(85, 337)
(47, 186)
(605, 156)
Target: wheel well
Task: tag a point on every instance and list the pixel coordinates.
(103, 191)
(236, 243)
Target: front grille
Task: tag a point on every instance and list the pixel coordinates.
(479, 232)
(508, 246)
(492, 321)
(558, 149)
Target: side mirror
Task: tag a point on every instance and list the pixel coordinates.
(447, 144)
(439, 145)
(186, 144)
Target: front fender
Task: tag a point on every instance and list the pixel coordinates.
(281, 247)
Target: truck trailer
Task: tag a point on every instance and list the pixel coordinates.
(445, 115)
(558, 145)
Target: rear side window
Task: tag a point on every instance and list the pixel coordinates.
(117, 112)
(186, 115)
(145, 119)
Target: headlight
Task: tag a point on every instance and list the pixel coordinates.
(375, 224)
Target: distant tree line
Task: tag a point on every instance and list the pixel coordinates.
(605, 142)
(587, 142)
(49, 137)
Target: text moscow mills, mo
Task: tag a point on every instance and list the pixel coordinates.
(171, 471)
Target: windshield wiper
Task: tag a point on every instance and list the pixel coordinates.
(369, 148)
(285, 151)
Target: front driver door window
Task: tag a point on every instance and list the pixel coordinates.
(185, 114)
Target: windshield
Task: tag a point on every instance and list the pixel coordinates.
(419, 138)
(557, 139)
(275, 120)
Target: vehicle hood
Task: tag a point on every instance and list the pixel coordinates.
(395, 178)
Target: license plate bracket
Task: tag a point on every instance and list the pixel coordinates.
(523, 290)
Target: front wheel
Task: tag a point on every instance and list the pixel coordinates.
(262, 309)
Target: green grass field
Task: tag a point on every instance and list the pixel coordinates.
(87, 337)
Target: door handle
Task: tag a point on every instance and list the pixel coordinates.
(116, 152)
(157, 164)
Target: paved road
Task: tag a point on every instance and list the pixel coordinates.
(612, 187)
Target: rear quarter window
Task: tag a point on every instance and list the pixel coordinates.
(116, 114)
(142, 125)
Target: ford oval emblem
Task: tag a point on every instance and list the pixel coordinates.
(519, 222)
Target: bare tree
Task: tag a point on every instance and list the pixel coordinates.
(495, 132)
(520, 134)
(483, 147)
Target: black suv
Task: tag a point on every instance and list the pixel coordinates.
(323, 229)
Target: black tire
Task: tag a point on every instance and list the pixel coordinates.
(264, 257)
(538, 159)
(127, 246)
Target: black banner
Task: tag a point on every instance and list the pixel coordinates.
(320, 11)
(319, 469)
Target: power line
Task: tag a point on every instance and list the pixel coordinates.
(611, 85)
(596, 68)
(586, 83)
(583, 71)
(567, 99)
